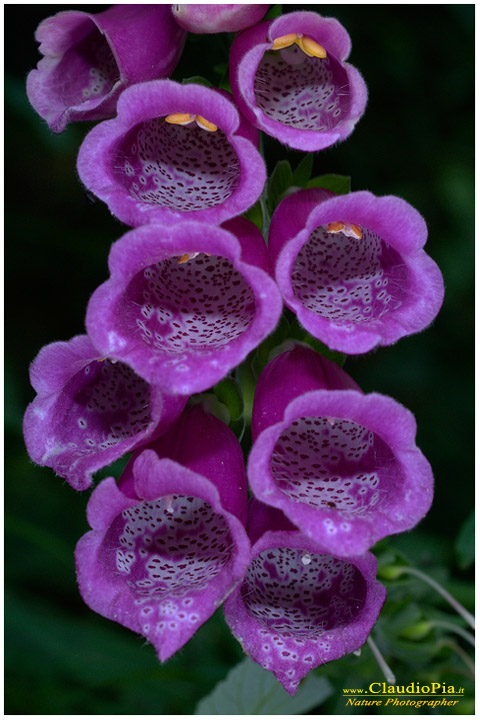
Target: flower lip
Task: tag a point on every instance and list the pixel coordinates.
(368, 284)
(300, 606)
(150, 170)
(185, 344)
(296, 94)
(162, 564)
(89, 411)
(344, 468)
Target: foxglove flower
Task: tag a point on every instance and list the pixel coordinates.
(185, 304)
(168, 544)
(89, 411)
(90, 58)
(290, 79)
(300, 606)
(343, 466)
(217, 18)
(353, 269)
(174, 152)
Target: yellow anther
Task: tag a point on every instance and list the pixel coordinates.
(311, 47)
(180, 119)
(348, 229)
(284, 41)
(183, 258)
(205, 124)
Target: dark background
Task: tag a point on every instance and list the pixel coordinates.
(416, 141)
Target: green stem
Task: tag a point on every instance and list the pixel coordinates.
(463, 612)
(382, 663)
(455, 629)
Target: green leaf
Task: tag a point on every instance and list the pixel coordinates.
(197, 80)
(274, 12)
(339, 184)
(465, 542)
(228, 392)
(303, 171)
(255, 215)
(248, 689)
(280, 181)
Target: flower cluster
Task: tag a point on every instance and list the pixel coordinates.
(194, 290)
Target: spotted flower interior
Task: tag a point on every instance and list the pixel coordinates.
(168, 551)
(335, 465)
(307, 93)
(347, 279)
(189, 304)
(181, 167)
(88, 70)
(104, 403)
(298, 594)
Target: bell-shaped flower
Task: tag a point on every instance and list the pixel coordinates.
(173, 152)
(300, 605)
(342, 465)
(186, 303)
(169, 543)
(353, 269)
(89, 410)
(90, 58)
(290, 79)
(224, 17)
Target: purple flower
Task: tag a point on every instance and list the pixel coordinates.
(300, 606)
(343, 466)
(217, 18)
(174, 152)
(89, 410)
(353, 269)
(90, 58)
(290, 79)
(185, 304)
(168, 544)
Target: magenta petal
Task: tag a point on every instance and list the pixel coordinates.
(184, 323)
(343, 466)
(148, 170)
(90, 411)
(300, 606)
(224, 17)
(161, 563)
(90, 58)
(308, 103)
(354, 293)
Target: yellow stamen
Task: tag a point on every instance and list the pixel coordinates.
(335, 227)
(311, 47)
(205, 124)
(284, 41)
(183, 258)
(348, 229)
(180, 119)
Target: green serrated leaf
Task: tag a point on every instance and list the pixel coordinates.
(255, 215)
(465, 542)
(248, 689)
(197, 80)
(279, 182)
(303, 171)
(339, 184)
